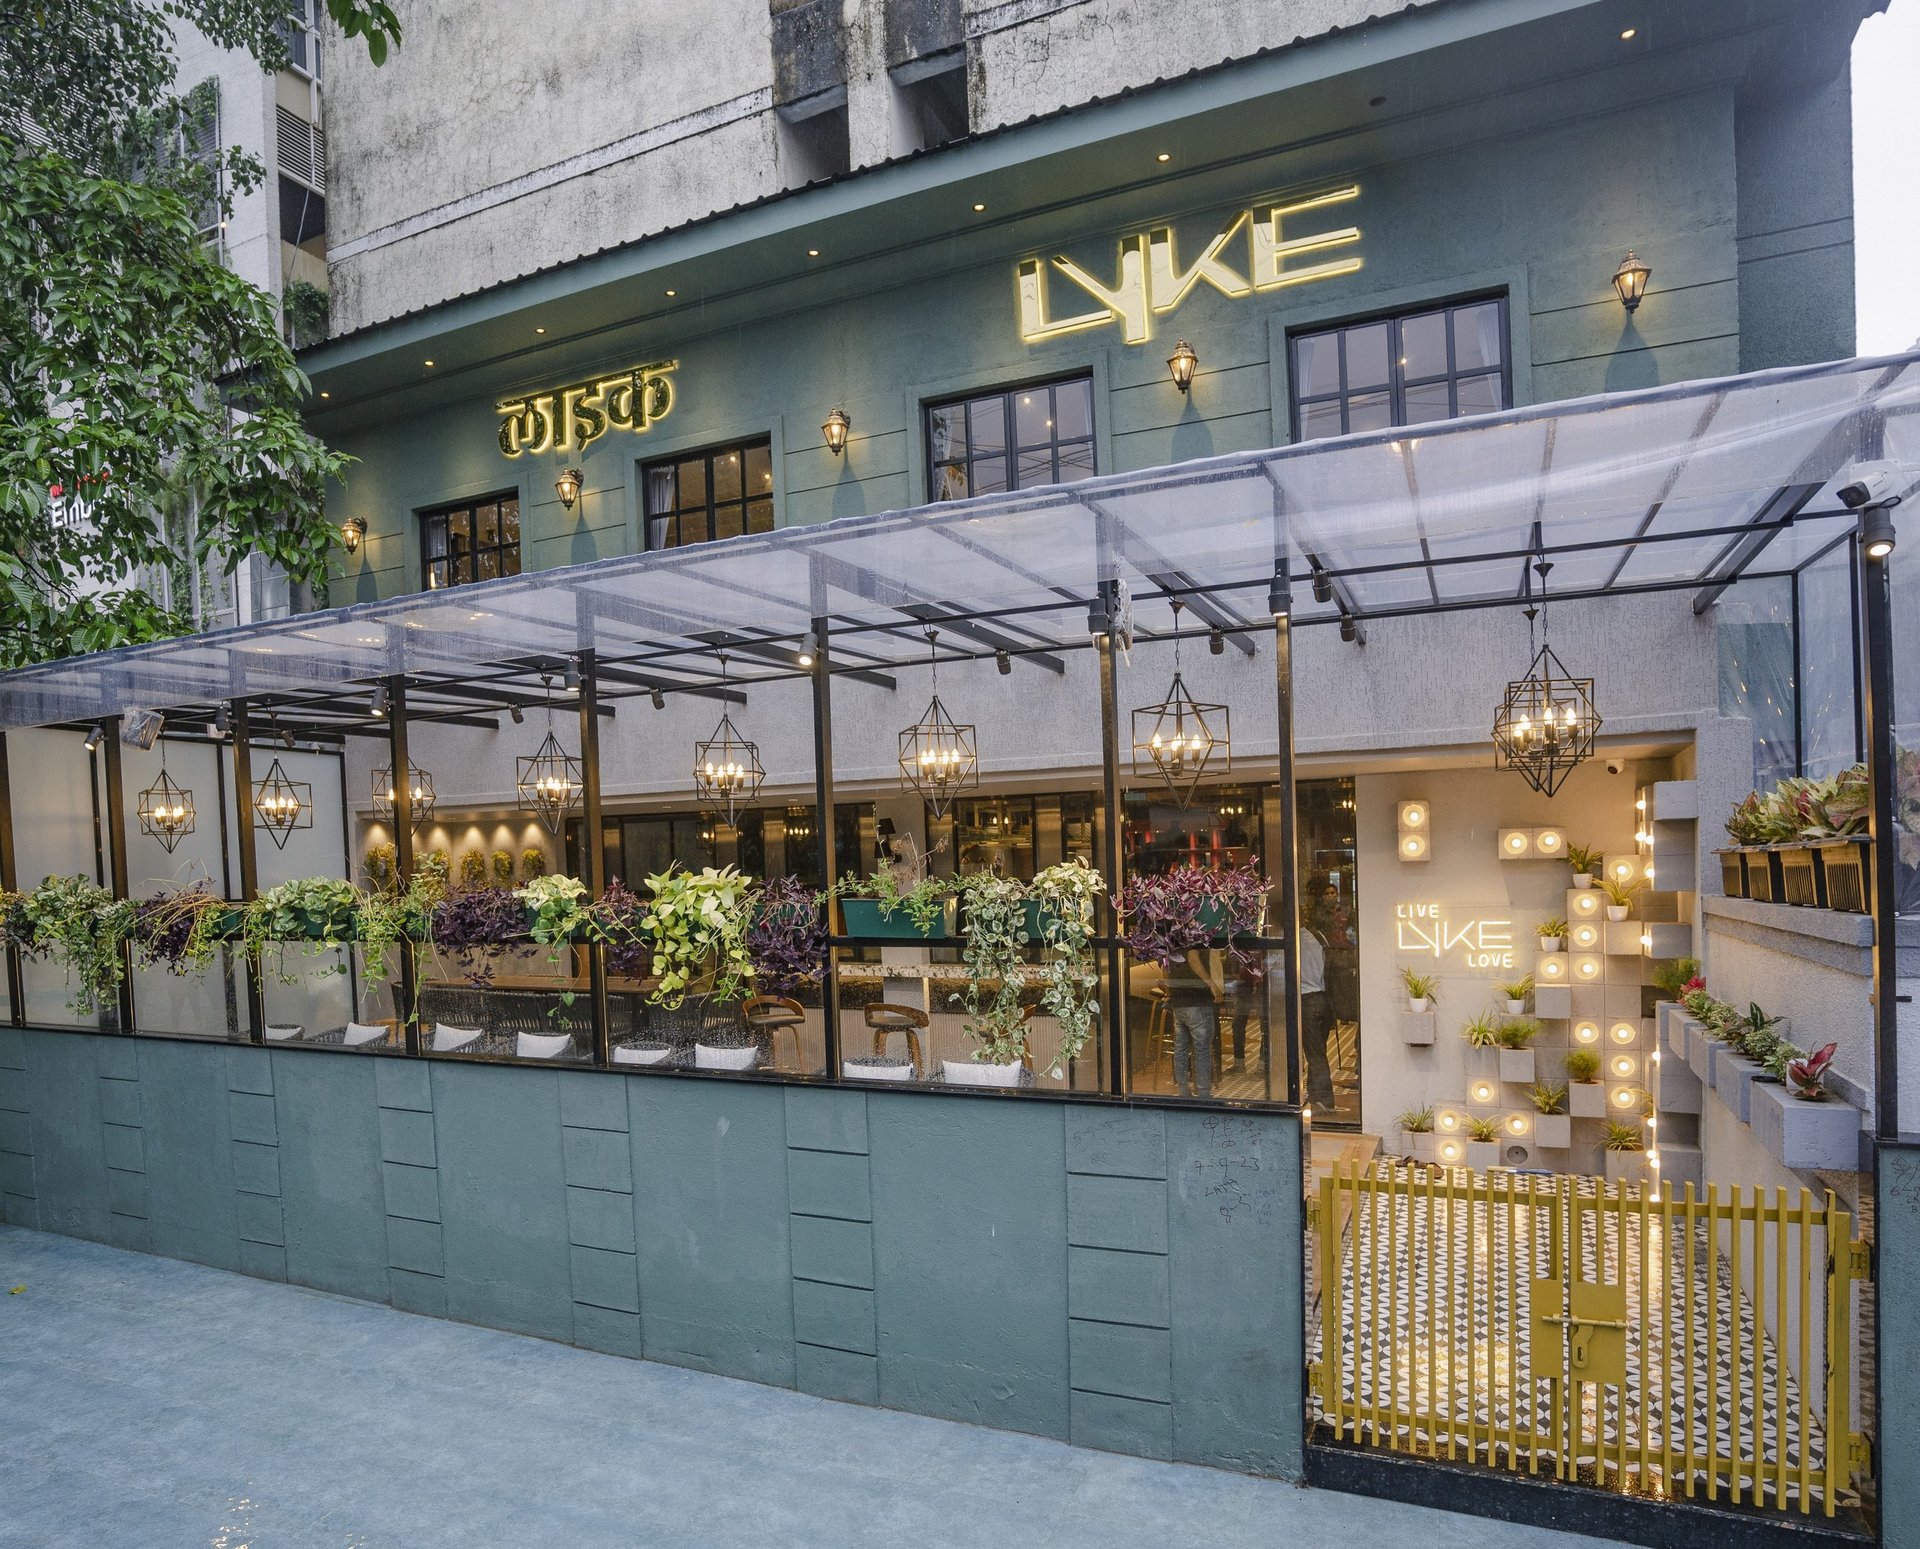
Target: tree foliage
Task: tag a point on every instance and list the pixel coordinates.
(149, 408)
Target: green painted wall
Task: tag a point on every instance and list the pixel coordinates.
(1116, 1277)
(1503, 199)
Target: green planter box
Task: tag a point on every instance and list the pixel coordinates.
(863, 918)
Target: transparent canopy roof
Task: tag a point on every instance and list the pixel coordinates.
(1690, 485)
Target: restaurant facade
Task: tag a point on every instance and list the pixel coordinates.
(1282, 415)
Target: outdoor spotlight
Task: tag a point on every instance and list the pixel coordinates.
(835, 430)
(659, 700)
(567, 487)
(514, 711)
(1216, 640)
(570, 674)
(222, 721)
(379, 699)
(286, 737)
(1322, 585)
(96, 736)
(1876, 531)
(1348, 631)
(1002, 662)
(1182, 364)
(352, 530)
(1630, 280)
(804, 656)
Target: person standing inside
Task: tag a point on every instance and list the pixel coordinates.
(1193, 1000)
(1316, 1020)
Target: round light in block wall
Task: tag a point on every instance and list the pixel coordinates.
(1585, 936)
(1413, 847)
(1449, 1150)
(1483, 1091)
(1514, 842)
(1550, 841)
(1623, 1097)
(1622, 867)
(1413, 814)
(1586, 969)
(1517, 1125)
(1552, 969)
(1448, 1120)
(1623, 1066)
(1640, 805)
(1586, 1032)
(1586, 903)
(1624, 1032)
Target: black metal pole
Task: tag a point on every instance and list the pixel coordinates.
(824, 834)
(1280, 600)
(1111, 858)
(10, 883)
(402, 773)
(242, 727)
(117, 859)
(1876, 595)
(593, 857)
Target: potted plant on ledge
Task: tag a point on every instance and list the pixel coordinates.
(1514, 995)
(1483, 1141)
(1422, 989)
(1417, 1125)
(1584, 862)
(1483, 1042)
(1552, 1125)
(1586, 1097)
(1516, 1050)
(1626, 1148)
(1553, 935)
(1620, 897)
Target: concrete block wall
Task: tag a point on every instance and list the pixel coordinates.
(1123, 1278)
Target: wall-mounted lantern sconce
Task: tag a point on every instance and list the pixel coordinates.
(567, 487)
(1630, 280)
(1182, 364)
(835, 430)
(352, 530)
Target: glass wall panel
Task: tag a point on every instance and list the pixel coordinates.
(1906, 719)
(57, 801)
(1754, 632)
(1829, 675)
(310, 993)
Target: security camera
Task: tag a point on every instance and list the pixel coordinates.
(1870, 484)
(1616, 765)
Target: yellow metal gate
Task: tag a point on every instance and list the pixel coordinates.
(1687, 1347)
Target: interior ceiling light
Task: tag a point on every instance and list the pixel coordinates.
(1545, 726)
(1179, 738)
(549, 780)
(166, 809)
(939, 757)
(282, 805)
(419, 794)
(727, 772)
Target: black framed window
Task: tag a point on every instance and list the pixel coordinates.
(474, 541)
(1025, 436)
(718, 493)
(1434, 364)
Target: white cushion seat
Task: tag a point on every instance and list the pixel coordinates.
(448, 1039)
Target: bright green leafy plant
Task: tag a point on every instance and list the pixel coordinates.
(695, 927)
(80, 926)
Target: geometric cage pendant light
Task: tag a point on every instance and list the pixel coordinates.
(939, 757)
(419, 793)
(283, 805)
(166, 809)
(1180, 739)
(549, 780)
(1545, 726)
(727, 772)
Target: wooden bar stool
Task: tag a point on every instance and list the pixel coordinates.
(773, 1015)
(884, 1017)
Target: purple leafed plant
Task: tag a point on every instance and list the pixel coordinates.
(1184, 910)
(617, 918)
(482, 924)
(1807, 1075)
(786, 938)
(163, 927)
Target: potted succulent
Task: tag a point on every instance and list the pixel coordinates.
(1417, 1125)
(1584, 862)
(1515, 994)
(1516, 1049)
(1586, 1097)
(1422, 989)
(1620, 897)
(1483, 1042)
(1483, 1141)
(1626, 1148)
(1841, 848)
(1798, 1120)
(1553, 935)
(1552, 1125)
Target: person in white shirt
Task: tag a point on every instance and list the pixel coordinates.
(1316, 1020)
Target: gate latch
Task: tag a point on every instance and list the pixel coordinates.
(1586, 1341)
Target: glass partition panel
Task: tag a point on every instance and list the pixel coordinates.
(309, 991)
(201, 1002)
(57, 807)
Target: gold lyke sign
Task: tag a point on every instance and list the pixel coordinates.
(1151, 279)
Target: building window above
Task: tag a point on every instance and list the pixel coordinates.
(1435, 364)
(718, 493)
(476, 541)
(1027, 436)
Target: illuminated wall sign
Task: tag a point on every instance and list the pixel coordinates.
(1152, 281)
(566, 418)
(1431, 929)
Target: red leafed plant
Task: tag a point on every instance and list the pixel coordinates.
(1807, 1075)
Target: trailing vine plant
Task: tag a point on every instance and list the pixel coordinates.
(1065, 894)
(696, 925)
(996, 925)
(81, 926)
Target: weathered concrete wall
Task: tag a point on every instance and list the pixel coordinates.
(1123, 1278)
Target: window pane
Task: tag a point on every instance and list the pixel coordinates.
(1035, 468)
(1073, 410)
(1032, 413)
(510, 519)
(1428, 402)
(660, 489)
(1076, 462)
(1477, 336)
(1316, 365)
(947, 431)
(759, 469)
(729, 521)
(1482, 394)
(950, 481)
(1423, 345)
(693, 483)
(726, 476)
(1369, 411)
(760, 516)
(987, 423)
(489, 564)
(510, 561)
(459, 531)
(1319, 420)
(487, 525)
(989, 476)
(1367, 356)
(434, 538)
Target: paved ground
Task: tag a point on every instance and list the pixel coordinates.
(148, 1404)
